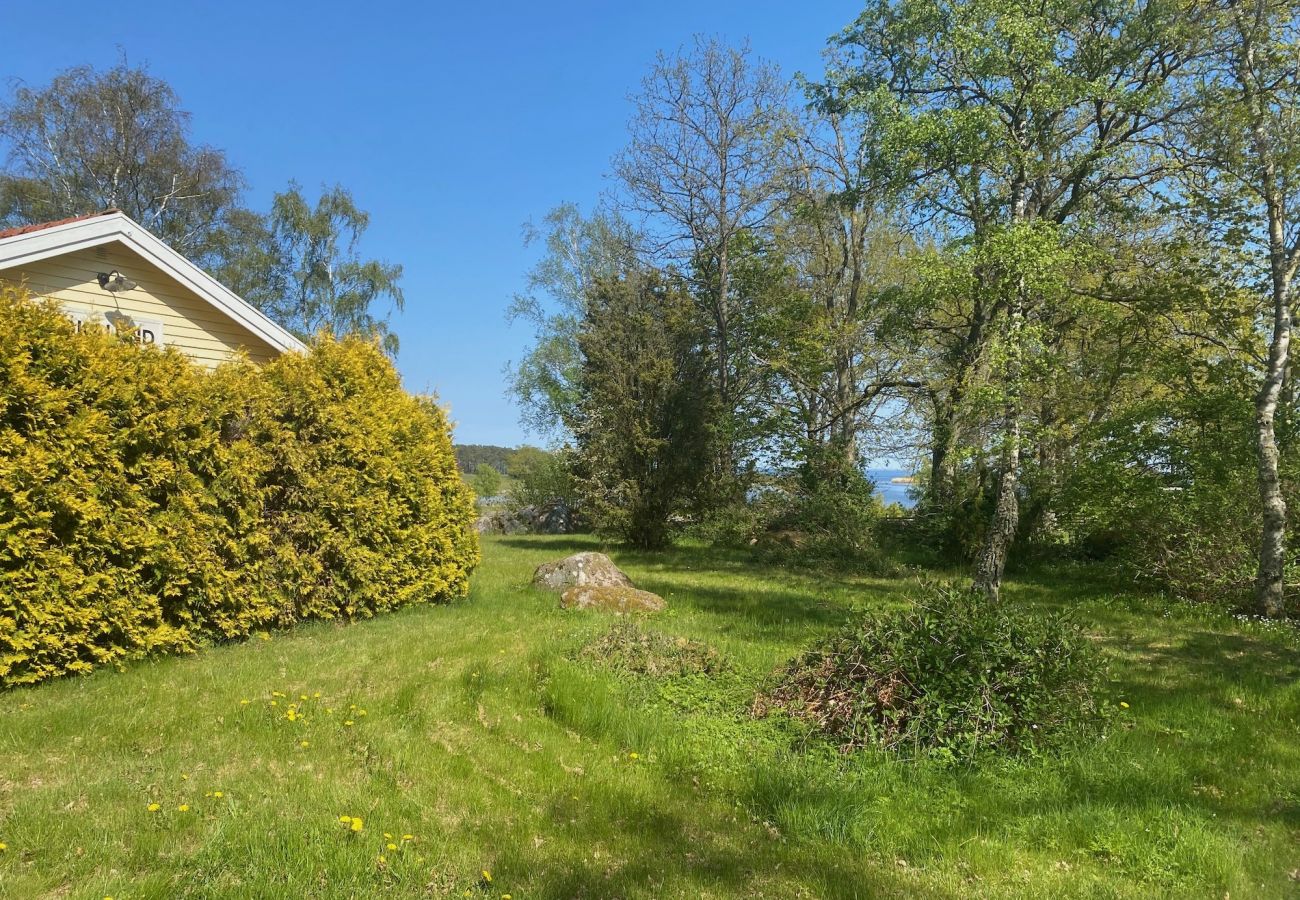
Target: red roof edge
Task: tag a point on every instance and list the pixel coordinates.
(41, 226)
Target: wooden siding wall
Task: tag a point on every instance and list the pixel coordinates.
(192, 325)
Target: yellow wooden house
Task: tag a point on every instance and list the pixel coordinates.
(107, 270)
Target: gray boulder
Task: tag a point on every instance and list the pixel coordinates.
(500, 522)
(580, 570)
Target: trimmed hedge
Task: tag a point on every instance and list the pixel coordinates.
(148, 506)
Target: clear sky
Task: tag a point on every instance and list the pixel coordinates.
(452, 124)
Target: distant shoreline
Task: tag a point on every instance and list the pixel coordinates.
(903, 479)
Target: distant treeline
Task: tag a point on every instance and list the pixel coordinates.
(470, 456)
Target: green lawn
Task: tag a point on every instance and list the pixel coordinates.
(475, 732)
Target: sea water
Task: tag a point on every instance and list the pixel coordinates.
(893, 493)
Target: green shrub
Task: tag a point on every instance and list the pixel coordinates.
(540, 479)
(828, 515)
(486, 481)
(1169, 493)
(958, 675)
(147, 506)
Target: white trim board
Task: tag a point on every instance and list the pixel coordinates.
(57, 240)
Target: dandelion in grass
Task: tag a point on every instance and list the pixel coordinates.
(1123, 705)
(245, 702)
(408, 837)
(302, 696)
(184, 807)
(3, 846)
(487, 876)
(154, 807)
(316, 696)
(304, 744)
(347, 724)
(390, 846)
(361, 712)
(634, 756)
(345, 819)
(357, 824)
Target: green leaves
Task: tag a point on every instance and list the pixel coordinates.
(643, 429)
(956, 676)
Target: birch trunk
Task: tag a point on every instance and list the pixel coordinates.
(1269, 585)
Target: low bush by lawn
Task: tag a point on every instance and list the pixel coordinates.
(477, 748)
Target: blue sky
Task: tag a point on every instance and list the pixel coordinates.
(452, 124)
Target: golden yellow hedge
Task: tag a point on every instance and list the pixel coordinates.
(148, 506)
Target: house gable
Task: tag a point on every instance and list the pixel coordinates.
(196, 314)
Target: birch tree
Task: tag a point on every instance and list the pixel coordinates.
(91, 140)
(1244, 177)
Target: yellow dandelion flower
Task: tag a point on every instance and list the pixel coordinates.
(505, 897)
(361, 712)
(218, 794)
(348, 723)
(154, 807)
(316, 696)
(382, 861)
(357, 825)
(305, 744)
(487, 876)
(184, 807)
(275, 702)
(1123, 705)
(345, 819)
(245, 702)
(633, 756)
(408, 837)
(185, 777)
(391, 846)
(3, 846)
(302, 696)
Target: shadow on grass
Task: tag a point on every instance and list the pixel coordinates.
(676, 850)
